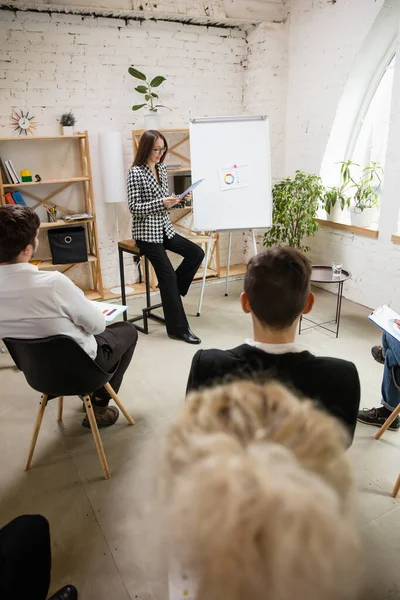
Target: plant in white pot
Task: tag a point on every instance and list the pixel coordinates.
(364, 209)
(67, 122)
(335, 199)
(152, 117)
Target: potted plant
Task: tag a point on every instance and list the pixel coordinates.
(152, 117)
(294, 212)
(335, 199)
(364, 209)
(67, 122)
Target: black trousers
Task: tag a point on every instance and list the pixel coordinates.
(173, 284)
(25, 558)
(115, 345)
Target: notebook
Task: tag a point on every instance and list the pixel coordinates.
(384, 317)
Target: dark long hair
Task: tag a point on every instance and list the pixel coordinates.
(146, 144)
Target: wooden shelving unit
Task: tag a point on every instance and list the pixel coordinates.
(178, 151)
(85, 179)
(47, 182)
(45, 265)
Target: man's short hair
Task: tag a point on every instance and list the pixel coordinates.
(277, 283)
(18, 228)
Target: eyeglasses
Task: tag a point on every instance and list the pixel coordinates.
(159, 150)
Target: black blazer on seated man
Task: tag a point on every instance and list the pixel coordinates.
(332, 382)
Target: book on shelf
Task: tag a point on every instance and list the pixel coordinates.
(78, 217)
(9, 198)
(4, 173)
(18, 198)
(12, 172)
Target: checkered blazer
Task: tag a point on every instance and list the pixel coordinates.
(150, 218)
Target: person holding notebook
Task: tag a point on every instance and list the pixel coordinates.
(276, 293)
(39, 304)
(149, 201)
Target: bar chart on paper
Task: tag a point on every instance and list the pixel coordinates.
(110, 311)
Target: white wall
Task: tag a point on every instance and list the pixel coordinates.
(326, 42)
(52, 63)
(266, 84)
(295, 71)
(325, 38)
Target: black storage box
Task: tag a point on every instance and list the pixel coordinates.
(68, 245)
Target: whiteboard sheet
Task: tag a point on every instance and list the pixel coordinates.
(233, 156)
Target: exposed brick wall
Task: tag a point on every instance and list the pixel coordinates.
(52, 63)
(266, 84)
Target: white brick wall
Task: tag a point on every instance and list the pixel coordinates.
(52, 63)
(266, 84)
(294, 72)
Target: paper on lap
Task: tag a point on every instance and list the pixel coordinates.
(385, 317)
(110, 311)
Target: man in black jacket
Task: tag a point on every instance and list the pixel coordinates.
(276, 293)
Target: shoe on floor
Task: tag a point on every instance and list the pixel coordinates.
(68, 592)
(377, 353)
(377, 417)
(188, 336)
(105, 416)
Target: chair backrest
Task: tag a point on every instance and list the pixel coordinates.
(57, 365)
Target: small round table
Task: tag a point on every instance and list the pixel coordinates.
(324, 274)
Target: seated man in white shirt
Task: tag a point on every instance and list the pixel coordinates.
(38, 304)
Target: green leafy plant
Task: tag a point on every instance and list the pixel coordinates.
(338, 193)
(367, 186)
(146, 88)
(68, 119)
(294, 213)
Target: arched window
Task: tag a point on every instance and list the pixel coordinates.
(370, 135)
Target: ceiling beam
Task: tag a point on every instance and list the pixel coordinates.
(223, 13)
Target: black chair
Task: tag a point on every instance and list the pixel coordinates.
(389, 421)
(57, 366)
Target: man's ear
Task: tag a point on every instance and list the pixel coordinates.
(27, 251)
(309, 303)
(244, 301)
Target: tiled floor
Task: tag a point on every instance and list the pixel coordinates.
(106, 536)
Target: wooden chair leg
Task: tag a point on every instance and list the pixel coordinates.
(119, 404)
(388, 422)
(97, 439)
(60, 408)
(36, 429)
(396, 487)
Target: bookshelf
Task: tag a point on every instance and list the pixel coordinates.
(47, 182)
(50, 199)
(178, 163)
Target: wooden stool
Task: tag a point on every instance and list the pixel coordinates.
(130, 247)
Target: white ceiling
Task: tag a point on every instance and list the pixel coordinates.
(207, 11)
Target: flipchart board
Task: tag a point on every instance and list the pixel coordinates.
(232, 154)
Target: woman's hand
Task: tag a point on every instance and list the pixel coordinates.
(188, 197)
(171, 201)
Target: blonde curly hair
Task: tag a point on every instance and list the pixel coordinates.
(258, 497)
